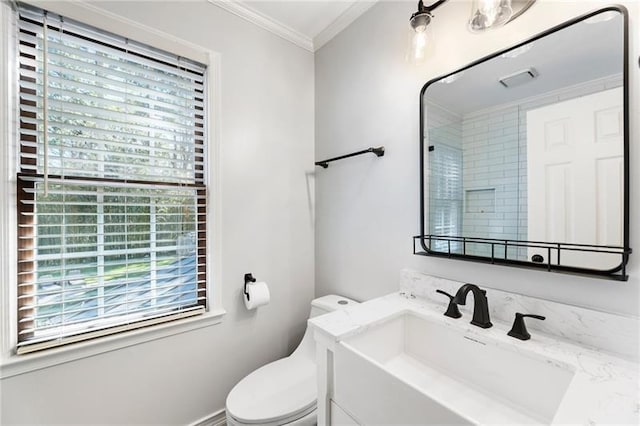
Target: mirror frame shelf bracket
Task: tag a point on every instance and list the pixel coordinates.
(421, 243)
(422, 247)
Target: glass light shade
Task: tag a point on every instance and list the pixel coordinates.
(486, 14)
(420, 37)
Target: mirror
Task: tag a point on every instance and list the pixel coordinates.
(525, 153)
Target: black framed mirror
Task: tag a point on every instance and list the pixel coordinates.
(525, 153)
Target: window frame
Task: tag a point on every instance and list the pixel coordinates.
(12, 364)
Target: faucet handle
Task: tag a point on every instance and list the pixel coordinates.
(452, 309)
(519, 329)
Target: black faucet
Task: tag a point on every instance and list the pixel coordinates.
(480, 304)
(519, 329)
(452, 308)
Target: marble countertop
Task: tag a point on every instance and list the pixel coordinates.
(604, 390)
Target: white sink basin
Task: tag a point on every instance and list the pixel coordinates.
(439, 373)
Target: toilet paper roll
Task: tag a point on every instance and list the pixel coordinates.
(258, 295)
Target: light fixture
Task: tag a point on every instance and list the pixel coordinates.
(485, 14)
(489, 13)
(420, 34)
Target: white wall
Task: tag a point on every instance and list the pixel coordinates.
(368, 208)
(267, 143)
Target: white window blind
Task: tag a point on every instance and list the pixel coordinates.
(111, 183)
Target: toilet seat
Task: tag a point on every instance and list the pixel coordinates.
(277, 393)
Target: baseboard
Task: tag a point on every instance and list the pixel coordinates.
(214, 419)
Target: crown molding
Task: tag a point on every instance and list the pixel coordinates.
(343, 21)
(248, 13)
(244, 11)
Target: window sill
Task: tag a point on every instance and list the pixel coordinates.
(15, 365)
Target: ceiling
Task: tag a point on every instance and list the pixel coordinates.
(579, 53)
(306, 17)
(308, 23)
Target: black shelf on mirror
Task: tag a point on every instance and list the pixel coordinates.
(501, 249)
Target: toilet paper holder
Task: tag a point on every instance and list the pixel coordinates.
(248, 278)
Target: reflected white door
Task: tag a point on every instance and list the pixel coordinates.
(575, 176)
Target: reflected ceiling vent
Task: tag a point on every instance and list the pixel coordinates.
(518, 78)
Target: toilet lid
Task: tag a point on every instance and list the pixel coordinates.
(280, 390)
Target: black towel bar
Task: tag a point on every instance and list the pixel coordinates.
(379, 151)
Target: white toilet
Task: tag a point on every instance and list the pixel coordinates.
(284, 391)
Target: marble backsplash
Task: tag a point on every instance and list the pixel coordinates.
(611, 333)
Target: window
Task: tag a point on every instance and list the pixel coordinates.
(445, 203)
(111, 183)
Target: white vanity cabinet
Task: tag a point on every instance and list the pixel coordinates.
(399, 360)
(374, 396)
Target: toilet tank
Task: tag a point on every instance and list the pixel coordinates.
(320, 306)
(329, 303)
